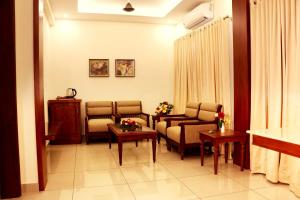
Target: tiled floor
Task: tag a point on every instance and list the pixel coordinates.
(91, 172)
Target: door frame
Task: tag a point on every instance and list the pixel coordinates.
(39, 96)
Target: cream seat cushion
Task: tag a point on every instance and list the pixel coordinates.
(191, 132)
(99, 125)
(162, 127)
(173, 133)
(138, 120)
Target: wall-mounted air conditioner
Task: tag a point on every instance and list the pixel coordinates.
(199, 16)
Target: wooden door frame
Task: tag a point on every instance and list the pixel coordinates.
(39, 96)
(10, 178)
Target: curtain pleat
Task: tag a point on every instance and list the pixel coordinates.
(205, 74)
(275, 90)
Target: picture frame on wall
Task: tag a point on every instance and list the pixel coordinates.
(125, 68)
(99, 67)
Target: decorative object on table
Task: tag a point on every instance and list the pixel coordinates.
(99, 67)
(125, 68)
(221, 121)
(71, 93)
(128, 124)
(164, 108)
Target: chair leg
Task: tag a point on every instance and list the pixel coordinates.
(158, 138)
(181, 151)
(87, 140)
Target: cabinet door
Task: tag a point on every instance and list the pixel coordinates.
(69, 116)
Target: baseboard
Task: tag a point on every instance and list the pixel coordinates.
(31, 187)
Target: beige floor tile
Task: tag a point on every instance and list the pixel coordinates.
(145, 172)
(187, 168)
(116, 192)
(93, 153)
(277, 192)
(245, 177)
(48, 195)
(210, 185)
(60, 181)
(62, 146)
(61, 154)
(60, 166)
(96, 164)
(170, 189)
(246, 195)
(99, 178)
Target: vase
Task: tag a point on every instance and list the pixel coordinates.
(222, 129)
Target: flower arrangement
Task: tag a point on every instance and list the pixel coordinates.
(221, 122)
(164, 108)
(128, 124)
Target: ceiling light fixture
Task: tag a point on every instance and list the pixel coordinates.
(128, 7)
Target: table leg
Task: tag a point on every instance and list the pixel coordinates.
(120, 148)
(216, 156)
(202, 152)
(154, 149)
(136, 143)
(226, 152)
(242, 155)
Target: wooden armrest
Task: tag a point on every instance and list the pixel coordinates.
(145, 114)
(180, 118)
(53, 130)
(197, 123)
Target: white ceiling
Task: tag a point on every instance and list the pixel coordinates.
(154, 11)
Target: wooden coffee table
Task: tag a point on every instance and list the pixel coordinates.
(217, 138)
(137, 134)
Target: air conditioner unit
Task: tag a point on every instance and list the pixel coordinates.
(199, 16)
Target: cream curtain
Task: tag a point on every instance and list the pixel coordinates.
(203, 71)
(275, 89)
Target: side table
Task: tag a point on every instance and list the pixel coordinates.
(217, 138)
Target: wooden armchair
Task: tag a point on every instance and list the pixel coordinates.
(98, 115)
(184, 133)
(131, 110)
(191, 112)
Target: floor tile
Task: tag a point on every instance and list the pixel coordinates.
(246, 195)
(60, 181)
(61, 166)
(210, 185)
(170, 189)
(245, 177)
(186, 168)
(277, 192)
(96, 164)
(116, 192)
(145, 172)
(99, 178)
(48, 195)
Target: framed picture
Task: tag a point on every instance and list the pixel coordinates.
(125, 68)
(99, 67)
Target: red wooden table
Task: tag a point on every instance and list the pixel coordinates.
(135, 135)
(217, 138)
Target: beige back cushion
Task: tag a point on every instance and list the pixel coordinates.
(99, 108)
(207, 111)
(128, 107)
(191, 109)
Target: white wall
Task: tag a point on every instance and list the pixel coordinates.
(71, 43)
(222, 8)
(25, 91)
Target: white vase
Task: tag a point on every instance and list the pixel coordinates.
(222, 128)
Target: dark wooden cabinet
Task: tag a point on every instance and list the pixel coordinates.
(66, 113)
